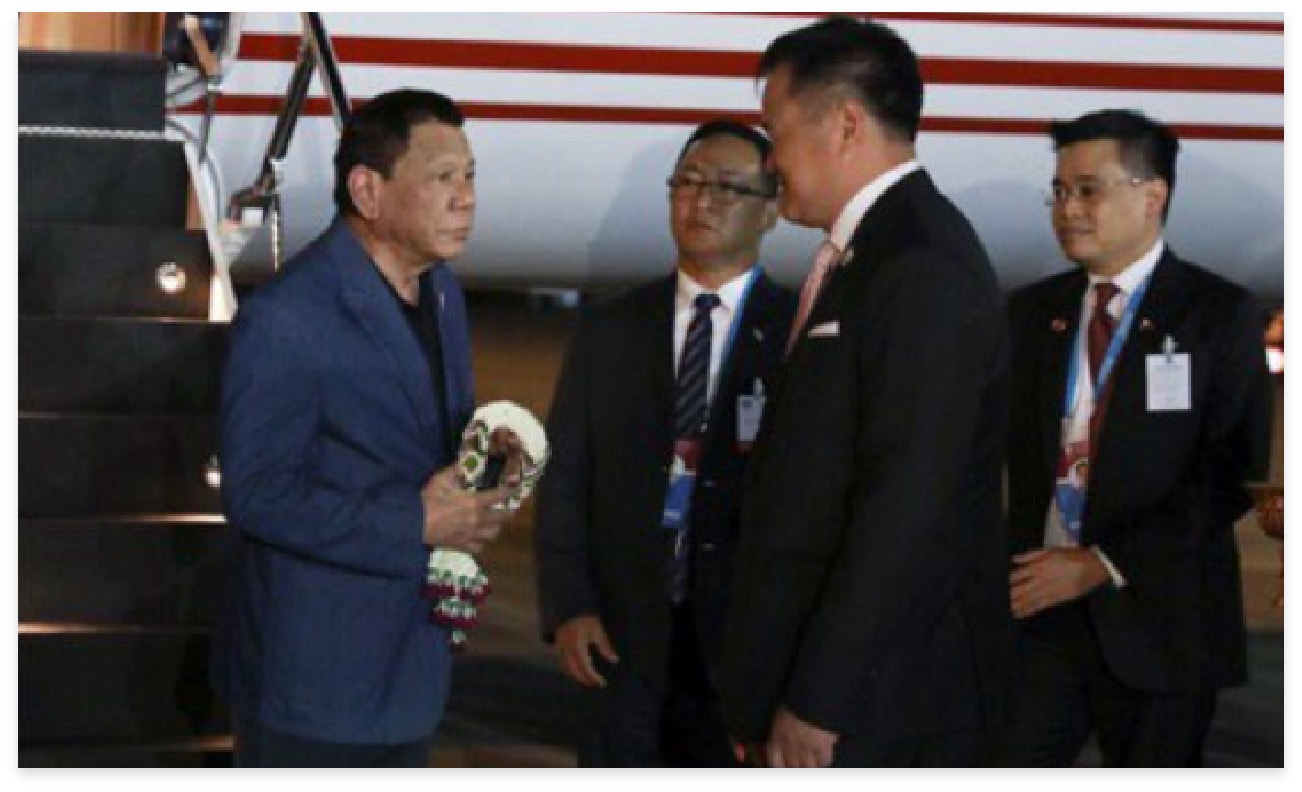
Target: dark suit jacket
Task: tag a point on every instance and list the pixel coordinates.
(871, 595)
(1165, 488)
(600, 546)
(330, 427)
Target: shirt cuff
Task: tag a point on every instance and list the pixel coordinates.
(1117, 580)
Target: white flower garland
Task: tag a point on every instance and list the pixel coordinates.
(455, 581)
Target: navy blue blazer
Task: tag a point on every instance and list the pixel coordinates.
(330, 427)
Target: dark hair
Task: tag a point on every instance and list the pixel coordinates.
(727, 127)
(865, 60)
(1148, 148)
(377, 134)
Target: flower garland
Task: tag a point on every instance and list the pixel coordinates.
(454, 580)
(458, 586)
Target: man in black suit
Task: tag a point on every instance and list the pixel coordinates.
(1149, 372)
(654, 415)
(869, 624)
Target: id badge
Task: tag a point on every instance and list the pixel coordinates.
(682, 479)
(750, 412)
(1169, 383)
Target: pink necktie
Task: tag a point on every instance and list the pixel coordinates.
(823, 262)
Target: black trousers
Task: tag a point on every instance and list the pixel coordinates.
(630, 724)
(258, 746)
(954, 749)
(1065, 691)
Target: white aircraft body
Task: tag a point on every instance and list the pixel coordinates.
(575, 120)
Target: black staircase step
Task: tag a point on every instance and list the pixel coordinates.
(98, 90)
(120, 366)
(88, 270)
(89, 466)
(109, 687)
(107, 182)
(168, 570)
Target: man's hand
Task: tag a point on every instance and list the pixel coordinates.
(462, 520)
(794, 743)
(1044, 579)
(574, 641)
(503, 441)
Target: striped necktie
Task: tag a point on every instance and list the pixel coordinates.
(691, 412)
(691, 407)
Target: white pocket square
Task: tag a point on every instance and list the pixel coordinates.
(826, 330)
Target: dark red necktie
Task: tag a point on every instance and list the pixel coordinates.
(1100, 331)
(1102, 326)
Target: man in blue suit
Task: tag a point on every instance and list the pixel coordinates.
(345, 393)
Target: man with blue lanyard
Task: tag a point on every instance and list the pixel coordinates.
(652, 423)
(1140, 406)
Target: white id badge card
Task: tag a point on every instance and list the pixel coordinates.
(750, 411)
(1169, 383)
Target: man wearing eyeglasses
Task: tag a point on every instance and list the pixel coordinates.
(655, 411)
(1150, 371)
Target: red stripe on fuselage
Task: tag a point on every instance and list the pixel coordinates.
(503, 111)
(1051, 20)
(591, 59)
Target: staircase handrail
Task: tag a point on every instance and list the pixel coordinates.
(259, 204)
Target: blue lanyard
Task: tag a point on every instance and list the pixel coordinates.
(1114, 349)
(736, 317)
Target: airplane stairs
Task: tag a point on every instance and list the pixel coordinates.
(121, 540)
(120, 534)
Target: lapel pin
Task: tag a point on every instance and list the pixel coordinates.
(1145, 325)
(759, 334)
(1059, 325)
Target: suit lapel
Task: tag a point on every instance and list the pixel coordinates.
(453, 412)
(1154, 321)
(658, 369)
(458, 378)
(370, 300)
(755, 333)
(1060, 325)
(872, 240)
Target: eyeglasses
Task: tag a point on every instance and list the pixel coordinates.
(720, 192)
(1089, 192)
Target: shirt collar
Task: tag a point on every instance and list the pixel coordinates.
(1133, 276)
(854, 212)
(730, 293)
